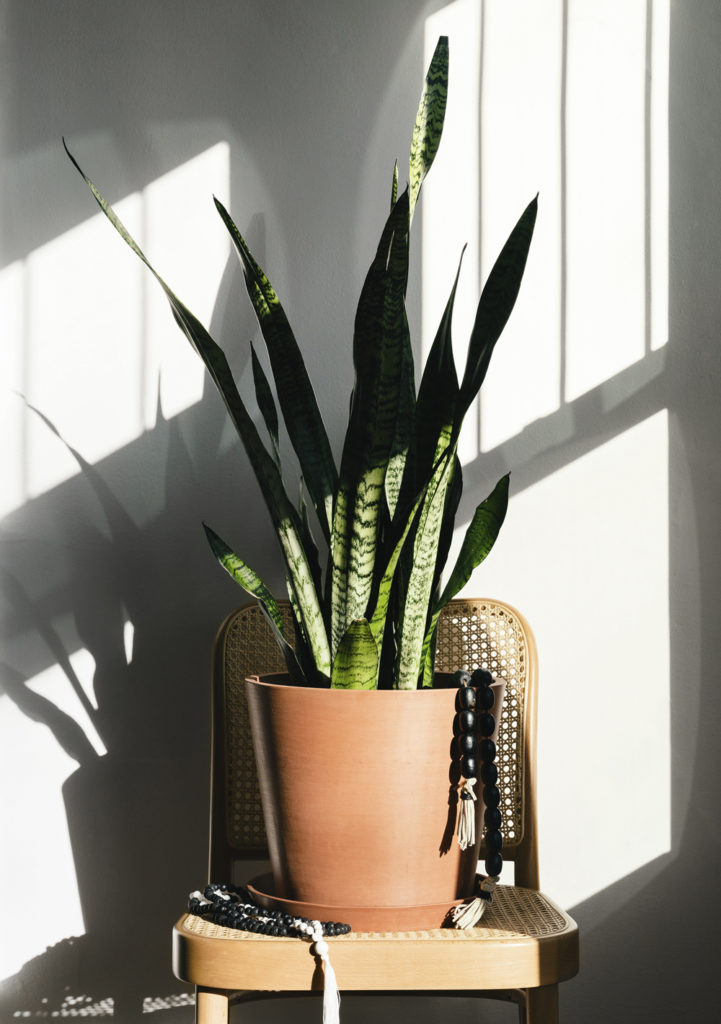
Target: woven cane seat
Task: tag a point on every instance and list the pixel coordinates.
(523, 927)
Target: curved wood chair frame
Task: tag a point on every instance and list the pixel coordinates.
(523, 946)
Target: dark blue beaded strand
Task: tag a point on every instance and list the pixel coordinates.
(234, 907)
(485, 698)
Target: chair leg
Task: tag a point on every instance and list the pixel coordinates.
(211, 1006)
(542, 1005)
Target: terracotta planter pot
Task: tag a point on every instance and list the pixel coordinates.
(359, 794)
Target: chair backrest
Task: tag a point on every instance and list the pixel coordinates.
(472, 633)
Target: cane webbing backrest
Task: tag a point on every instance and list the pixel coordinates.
(471, 634)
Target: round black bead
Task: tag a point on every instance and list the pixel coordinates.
(485, 698)
(491, 796)
(481, 678)
(486, 724)
(494, 841)
(487, 750)
(489, 773)
(467, 743)
(493, 864)
(492, 818)
(468, 766)
(466, 698)
(465, 721)
(461, 678)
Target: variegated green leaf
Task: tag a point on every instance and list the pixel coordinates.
(266, 403)
(428, 656)
(479, 539)
(380, 336)
(242, 573)
(295, 392)
(420, 583)
(380, 599)
(249, 580)
(402, 450)
(454, 493)
(394, 189)
(429, 120)
(438, 390)
(283, 515)
(477, 543)
(356, 664)
(496, 304)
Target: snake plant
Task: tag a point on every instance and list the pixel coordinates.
(366, 602)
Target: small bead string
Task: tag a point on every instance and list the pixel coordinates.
(233, 907)
(474, 727)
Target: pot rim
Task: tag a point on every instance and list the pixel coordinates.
(268, 679)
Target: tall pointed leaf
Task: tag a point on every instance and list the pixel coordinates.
(295, 391)
(402, 450)
(479, 539)
(249, 580)
(477, 543)
(283, 515)
(380, 335)
(266, 403)
(438, 390)
(420, 583)
(356, 664)
(496, 304)
(429, 120)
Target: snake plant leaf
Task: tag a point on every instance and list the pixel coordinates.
(454, 493)
(249, 580)
(420, 582)
(283, 515)
(380, 599)
(428, 656)
(429, 120)
(496, 304)
(479, 539)
(394, 189)
(402, 451)
(242, 573)
(356, 664)
(438, 389)
(477, 543)
(309, 544)
(266, 403)
(295, 391)
(380, 337)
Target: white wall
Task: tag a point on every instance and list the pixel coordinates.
(294, 113)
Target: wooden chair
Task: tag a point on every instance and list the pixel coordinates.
(524, 944)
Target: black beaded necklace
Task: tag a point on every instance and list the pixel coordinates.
(473, 727)
(233, 907)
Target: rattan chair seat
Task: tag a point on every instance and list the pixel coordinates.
(521, 927)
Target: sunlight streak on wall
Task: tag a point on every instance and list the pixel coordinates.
(37, 808)
(660, 45)
(521, 156)
(84, 301)
(598, 603)
(606, 315)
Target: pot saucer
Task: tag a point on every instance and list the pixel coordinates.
(420, 917)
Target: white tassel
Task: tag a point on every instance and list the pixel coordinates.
(469, 914)
(331, 995)
(467, 814)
